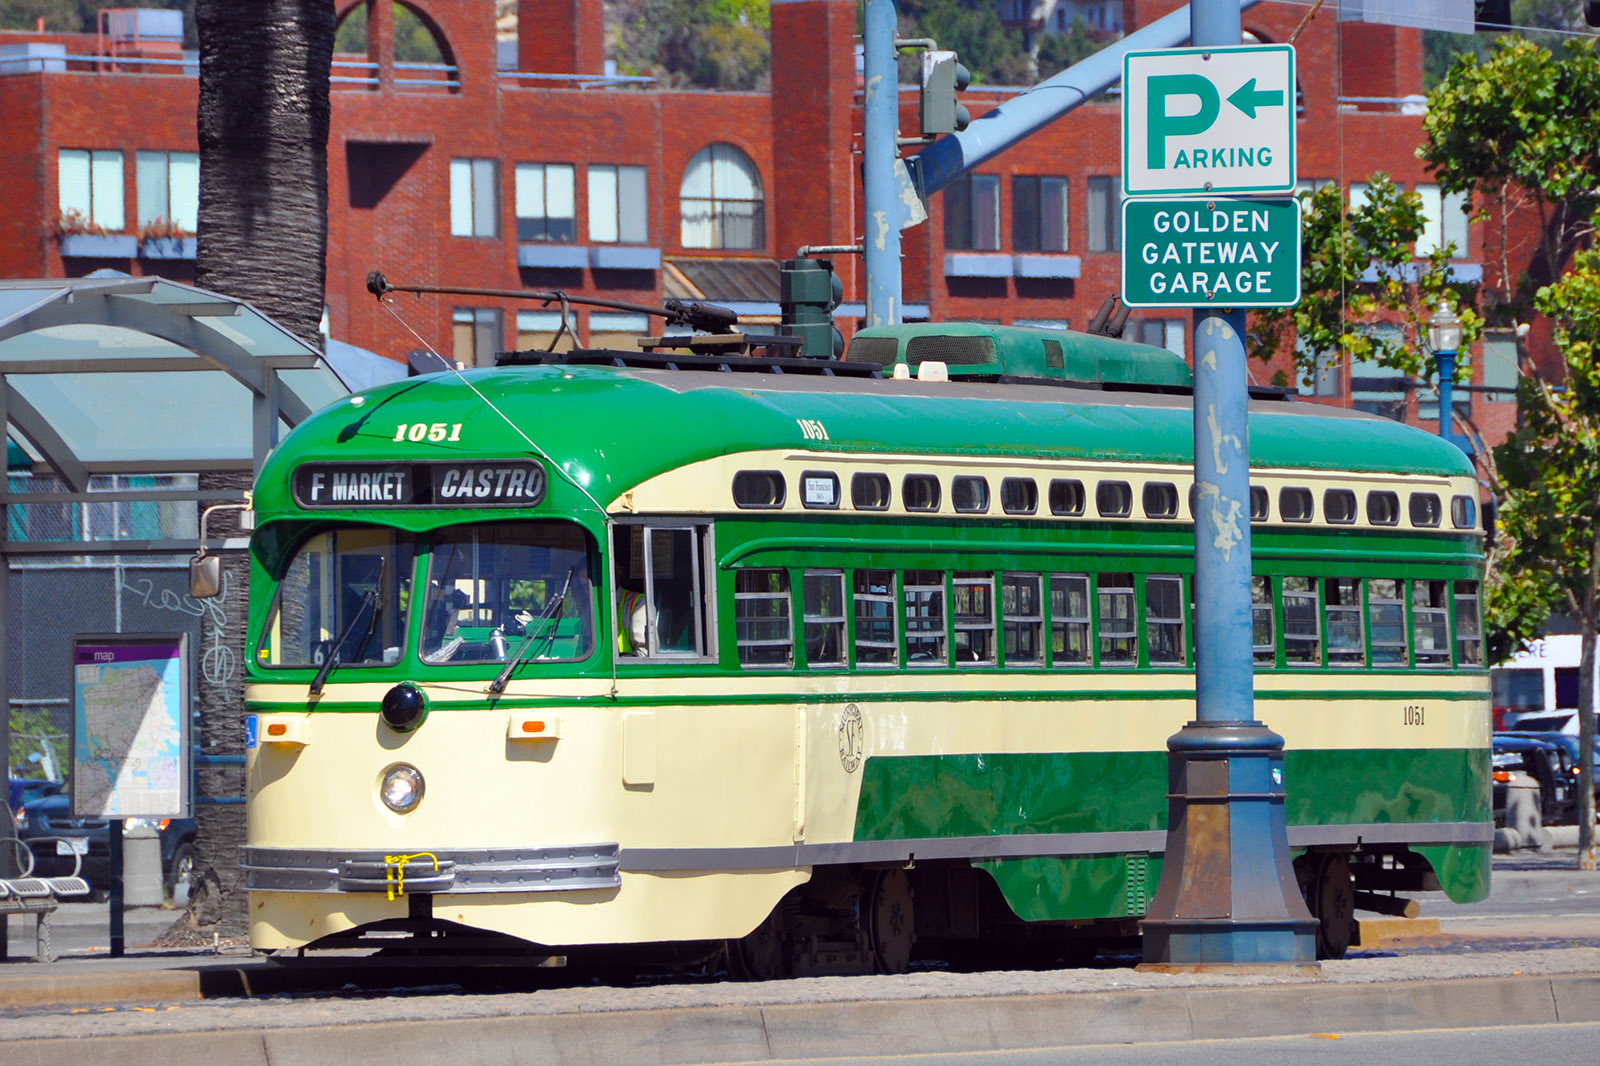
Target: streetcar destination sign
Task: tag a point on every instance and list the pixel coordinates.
(1214, 252)
(1208, 120)
(433, 484)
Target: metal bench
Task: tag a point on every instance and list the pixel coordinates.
(38, 896)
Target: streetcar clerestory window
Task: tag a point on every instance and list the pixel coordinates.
(1019, 495)
(1160, 500)
(761, 620)
(344, 593)
(920, 492)
(1339, 506)
(1260, 504)
(869, 492)
(970, 495)
(1383, 508)
(1294, 505)
(1113, 499)
(1463, 512)
(819, 490)
(1066, 497)
(1424, 509)
(508, 590)
(759, 489)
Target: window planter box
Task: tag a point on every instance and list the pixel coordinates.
(99, 246)
(167, 248)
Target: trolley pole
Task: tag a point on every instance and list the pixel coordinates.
(1227, 898)
(880, 127)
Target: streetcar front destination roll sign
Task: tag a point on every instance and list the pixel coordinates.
(505, 483)
(1212, 252)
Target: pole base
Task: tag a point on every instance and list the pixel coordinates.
(1228, 895)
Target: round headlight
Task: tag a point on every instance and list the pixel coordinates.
(404, 707)
(402, 788)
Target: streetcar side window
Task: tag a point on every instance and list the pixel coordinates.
(1469, 625)
(824, 618)
(1163, 619)
(1262, 639)
(661, 594)
(1069, 620)
(1386, 613)
(1117, 618)
(877, 638)
(1347, 645)
(1302, 641)
(762, 626)
(1430, 622)
(972, 611)
(924, 605)
(1023, 612)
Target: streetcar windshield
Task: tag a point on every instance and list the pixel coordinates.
(344, 594)
(508, 589)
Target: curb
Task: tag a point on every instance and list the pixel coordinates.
(688, 1036)
(177, 985)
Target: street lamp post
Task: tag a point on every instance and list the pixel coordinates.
(1444, 337)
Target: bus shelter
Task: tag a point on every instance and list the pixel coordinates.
(130, 404)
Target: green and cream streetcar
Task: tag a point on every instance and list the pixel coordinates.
(831, 669)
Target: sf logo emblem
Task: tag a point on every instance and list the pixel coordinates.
(852, 732)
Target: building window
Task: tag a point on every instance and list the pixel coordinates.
(478, 333)
(474, 198)
(1038, 214)
(1161, 333)
(972, 214)
(546, 202)
(1445, 217)
(91, 187)
(618, 206)
(1500, 366)
(538, 330)
(721, 200)
(617, 329)
(1105, 220)
(168, 185)
(1377, 389)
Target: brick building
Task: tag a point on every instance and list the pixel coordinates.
(522, 164)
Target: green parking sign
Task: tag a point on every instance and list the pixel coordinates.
(1210, 252)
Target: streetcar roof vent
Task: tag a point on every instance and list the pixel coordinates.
(730, 363)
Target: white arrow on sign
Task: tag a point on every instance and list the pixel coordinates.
(1209, 120)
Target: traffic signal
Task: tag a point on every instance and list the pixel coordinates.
(808, 291)
(1491, 15)
(942, 78)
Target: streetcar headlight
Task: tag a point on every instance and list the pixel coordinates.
(403, 707)
(402, 788)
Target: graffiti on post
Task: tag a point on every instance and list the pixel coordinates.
(217, 660)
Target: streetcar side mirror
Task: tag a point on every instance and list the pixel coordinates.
(205, 576)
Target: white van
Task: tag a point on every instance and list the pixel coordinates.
(1537, 689)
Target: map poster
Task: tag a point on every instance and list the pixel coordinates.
(130, 725)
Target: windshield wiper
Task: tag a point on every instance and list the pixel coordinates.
(369, 602)
(498, 685)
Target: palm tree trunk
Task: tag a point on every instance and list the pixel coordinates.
(263, 133)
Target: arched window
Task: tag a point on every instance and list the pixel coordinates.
(721, 200)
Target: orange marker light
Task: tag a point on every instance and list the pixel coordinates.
(277, 729)
(533, 727)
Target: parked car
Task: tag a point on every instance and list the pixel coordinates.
(47, 826)
(1552, 766)
(20, 790)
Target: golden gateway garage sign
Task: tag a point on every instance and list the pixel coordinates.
(516, 483)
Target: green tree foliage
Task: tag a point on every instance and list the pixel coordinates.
(1056, 52)
(1339, 247)
(413, 40)
(973, 30)
(1521, 130)
(712, 44)
(80, 16)
(1549, 471)
(33, 734)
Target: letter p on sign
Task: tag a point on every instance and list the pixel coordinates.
(1161, 123)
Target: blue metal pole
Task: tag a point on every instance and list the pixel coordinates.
(880, 127)
(1447, 391)
(1228, 896)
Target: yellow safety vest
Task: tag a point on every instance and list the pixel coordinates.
(627, 603)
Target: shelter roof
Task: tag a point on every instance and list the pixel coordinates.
(145, 375)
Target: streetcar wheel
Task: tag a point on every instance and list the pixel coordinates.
(893, 926)
(761, 954)
(1332, 901)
